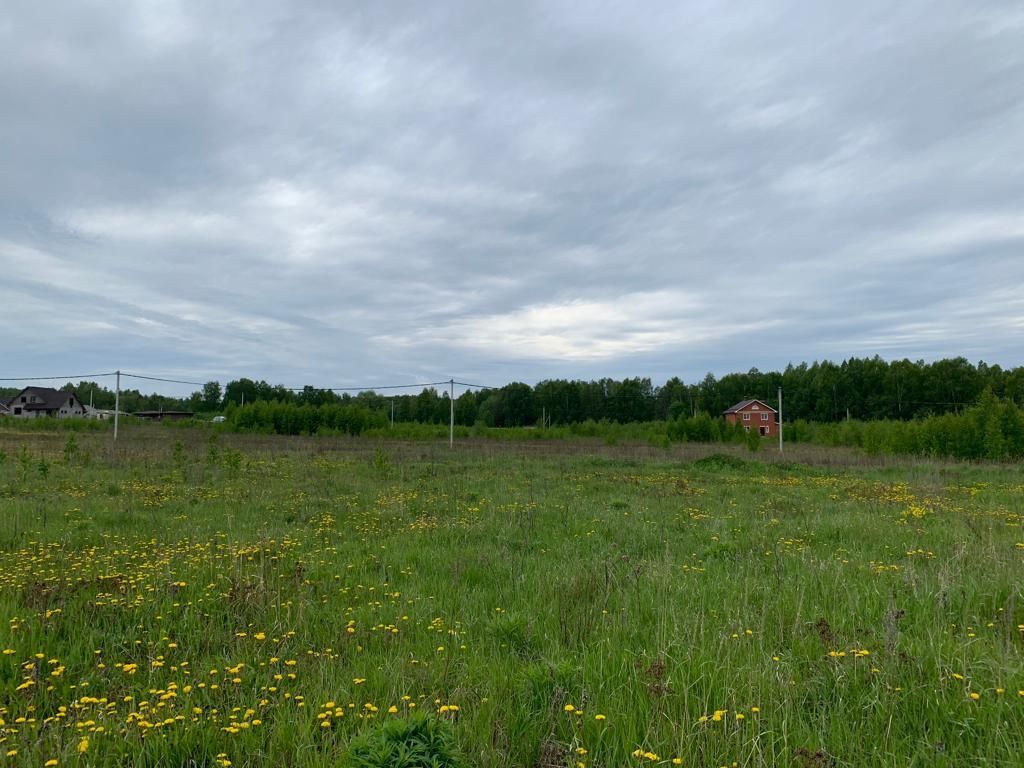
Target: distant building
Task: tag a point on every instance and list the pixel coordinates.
(100, 414)
(754, 414)
(164, 415)
(33, 402)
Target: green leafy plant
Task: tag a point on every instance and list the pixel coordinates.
(417, 741)
(70, 448)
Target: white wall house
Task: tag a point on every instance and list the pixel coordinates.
(33, 402)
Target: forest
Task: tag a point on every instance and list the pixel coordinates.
(865, 389)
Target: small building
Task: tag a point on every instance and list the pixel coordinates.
(33, 402)
(164, 415)
(754, 414)
(101, 414)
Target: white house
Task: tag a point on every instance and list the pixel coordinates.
(33, 402)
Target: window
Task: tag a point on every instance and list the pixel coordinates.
(17, 411)
(764, 417)
(746, 417)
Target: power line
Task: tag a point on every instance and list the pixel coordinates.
(170, 380)
(49, 378)
(367, 389)
(473, 386)
(302, 388)
(160, 378)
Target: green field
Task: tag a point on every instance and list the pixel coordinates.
(263, 601)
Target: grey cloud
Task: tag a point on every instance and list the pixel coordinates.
(338, 193)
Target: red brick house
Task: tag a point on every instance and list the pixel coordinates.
(754, 414)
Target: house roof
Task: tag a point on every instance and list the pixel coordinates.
(743, 405)
(51, 399)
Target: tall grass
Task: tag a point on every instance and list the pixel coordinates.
(199, 605)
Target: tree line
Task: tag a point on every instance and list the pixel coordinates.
(865, 389)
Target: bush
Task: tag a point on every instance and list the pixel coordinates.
(717, 461)
(417, 741)
(753, 440)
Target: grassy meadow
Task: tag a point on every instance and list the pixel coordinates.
(241, 601)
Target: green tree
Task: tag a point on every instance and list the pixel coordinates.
(211, 396)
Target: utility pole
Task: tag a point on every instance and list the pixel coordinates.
(451, 416)
(117, 404)
(392, 413)
(780, 419)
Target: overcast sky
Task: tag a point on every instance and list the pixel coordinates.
(336, 193)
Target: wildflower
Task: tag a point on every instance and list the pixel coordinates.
(600, 717)
(50, 763)
(974, 695)
(569, 708)
(83, 745)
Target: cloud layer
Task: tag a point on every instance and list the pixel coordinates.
(340, 193)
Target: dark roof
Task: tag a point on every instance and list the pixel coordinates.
(746, 404)
(52, 399)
